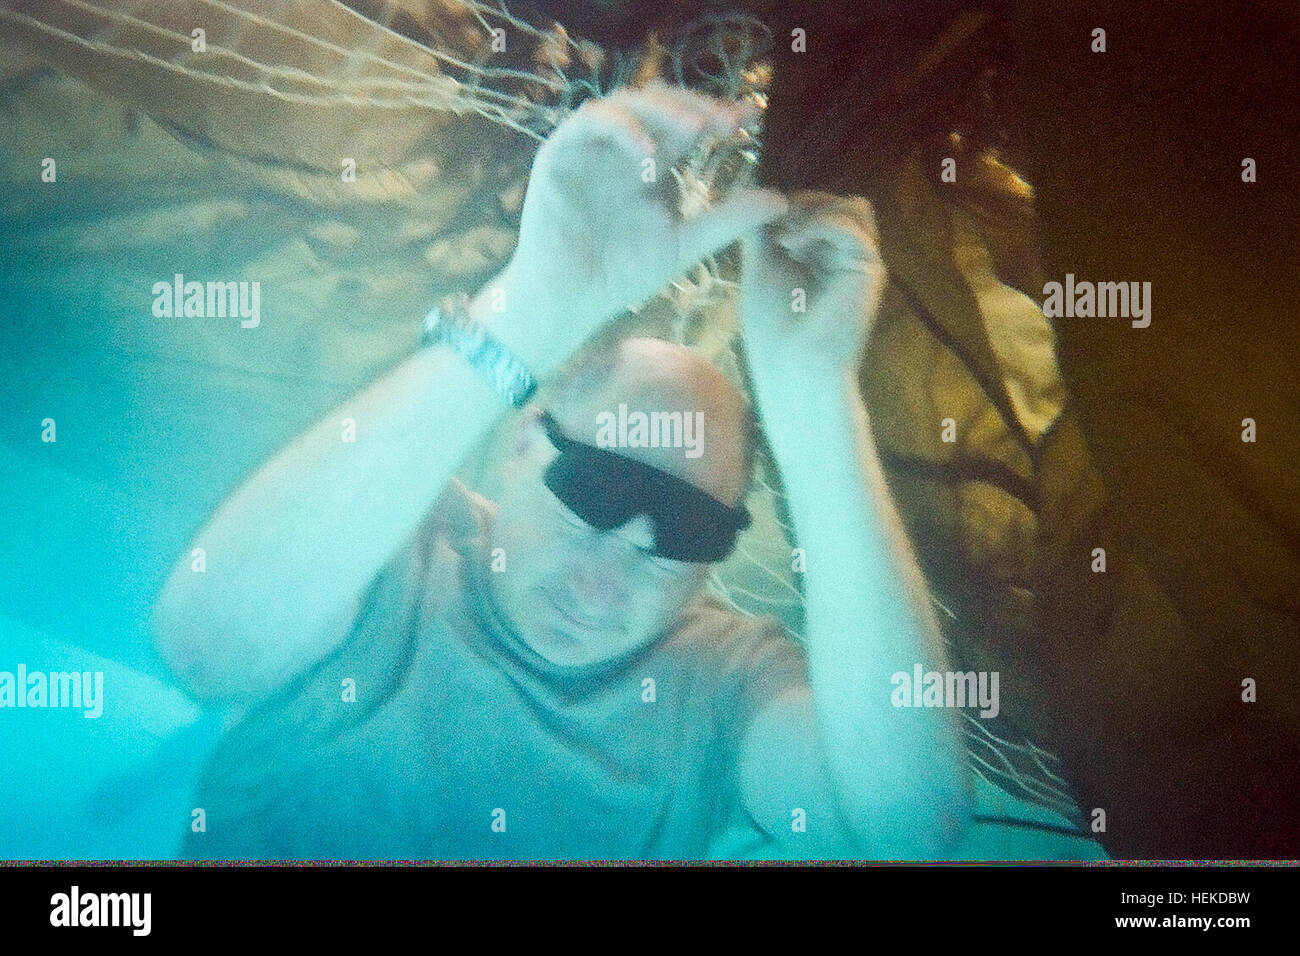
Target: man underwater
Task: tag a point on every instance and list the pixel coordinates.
(544, 677)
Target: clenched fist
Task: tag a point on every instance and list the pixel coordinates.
(600, 231)
(811, 285)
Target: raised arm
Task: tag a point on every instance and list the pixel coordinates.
(289, 554)
(899, 774)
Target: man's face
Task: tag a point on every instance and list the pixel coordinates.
(574, 594)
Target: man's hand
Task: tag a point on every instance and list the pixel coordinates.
(600, 230)
(811, 286)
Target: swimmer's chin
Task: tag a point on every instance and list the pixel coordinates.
(555, 637)
(565, 644)
(558, 646)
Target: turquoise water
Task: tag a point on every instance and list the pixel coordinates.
(91, 522)
(154, 421)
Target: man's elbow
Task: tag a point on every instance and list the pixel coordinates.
(952, 827)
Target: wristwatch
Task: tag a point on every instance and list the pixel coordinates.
(450, 323)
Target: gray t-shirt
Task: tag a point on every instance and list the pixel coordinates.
(463, 743)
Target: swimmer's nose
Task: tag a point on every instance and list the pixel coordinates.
(594, 585)
(602, 565)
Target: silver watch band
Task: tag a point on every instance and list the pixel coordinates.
(450, 323)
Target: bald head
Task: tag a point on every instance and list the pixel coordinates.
(662, 405)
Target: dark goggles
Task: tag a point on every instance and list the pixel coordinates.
(607, 490)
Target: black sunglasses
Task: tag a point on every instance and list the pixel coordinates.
(607, 490)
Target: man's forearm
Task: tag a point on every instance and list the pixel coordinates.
(900, 773)
(318, 520)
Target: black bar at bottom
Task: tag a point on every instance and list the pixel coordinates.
(334, 903)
